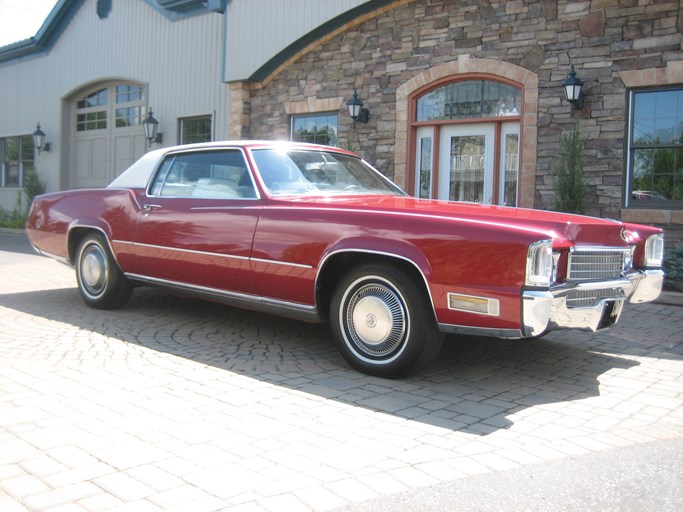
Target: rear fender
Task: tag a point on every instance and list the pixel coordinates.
(80, 228)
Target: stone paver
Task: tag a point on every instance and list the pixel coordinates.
(178, 404)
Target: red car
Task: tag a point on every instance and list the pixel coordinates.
(315, 233)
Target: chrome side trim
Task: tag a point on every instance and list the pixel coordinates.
(60, 259)
(254, 302)
(480, 331)
(230, 207)
(220, 255)
(189, 251)
(284, 263)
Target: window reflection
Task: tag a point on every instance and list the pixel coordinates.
(16, 160)
(316, 129)
(469, 99)
(425, 184)
(656, 147)
(511, 169)
(467, 168)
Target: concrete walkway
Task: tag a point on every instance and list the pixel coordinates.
(178, 404)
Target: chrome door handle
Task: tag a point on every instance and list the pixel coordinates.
(150, 207)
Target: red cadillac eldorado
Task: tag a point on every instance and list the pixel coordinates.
(315, 233)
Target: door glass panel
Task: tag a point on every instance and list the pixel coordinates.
(467, 166)
(510, 169)
(424, 166)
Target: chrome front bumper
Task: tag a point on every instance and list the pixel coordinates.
(555, 309)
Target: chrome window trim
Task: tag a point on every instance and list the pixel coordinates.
(173, 154)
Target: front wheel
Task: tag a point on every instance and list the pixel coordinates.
(100, 281)
(383, 322)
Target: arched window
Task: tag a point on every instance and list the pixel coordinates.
(469, 99)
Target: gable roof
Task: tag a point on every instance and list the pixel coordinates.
(64, 11)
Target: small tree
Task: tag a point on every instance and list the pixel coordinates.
(571, 187)
(32, 185)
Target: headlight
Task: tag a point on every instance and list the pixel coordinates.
(540, 264)
(654, 250)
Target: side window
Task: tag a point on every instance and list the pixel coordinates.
(210, 174)
(16, 160)
(315, 128)
(195, 129)
(655, 149)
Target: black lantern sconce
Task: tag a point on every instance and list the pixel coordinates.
(356, 110)
(573, 89)
(151, 127)
(39, 140)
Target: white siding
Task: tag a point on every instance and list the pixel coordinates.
(256, 30)
(180, 61)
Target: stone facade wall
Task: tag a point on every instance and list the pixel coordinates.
(376, 55)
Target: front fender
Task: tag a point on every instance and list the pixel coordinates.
(399, 249)
(339, 257)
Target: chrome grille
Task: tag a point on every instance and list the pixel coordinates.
(591, 264)
(589, 298)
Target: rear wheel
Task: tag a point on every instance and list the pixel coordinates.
(100, 281)
(383, 322)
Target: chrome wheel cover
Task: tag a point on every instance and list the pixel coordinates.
(375, 320)
(94, 270)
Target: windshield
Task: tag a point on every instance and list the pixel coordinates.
(307, 172)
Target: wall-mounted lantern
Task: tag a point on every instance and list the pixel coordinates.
(356, 110)
(39, 140)
(573, 89)
(151, 127)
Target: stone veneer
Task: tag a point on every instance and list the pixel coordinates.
(391, 52)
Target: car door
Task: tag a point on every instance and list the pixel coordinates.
(197, 222)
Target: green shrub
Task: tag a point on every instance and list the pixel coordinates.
(673, 263)
(32, 186)
(14, 219)
(571, 187)
(17, 217)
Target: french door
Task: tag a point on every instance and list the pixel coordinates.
(108, 134)
(468, 162)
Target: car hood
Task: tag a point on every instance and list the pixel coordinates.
(556, 225)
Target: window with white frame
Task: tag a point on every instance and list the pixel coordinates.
(655, 149)
(129, 107)
(17, 157)
(195, 129)
(92, 111)
(315, 128)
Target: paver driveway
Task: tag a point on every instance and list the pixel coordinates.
(178, 404)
